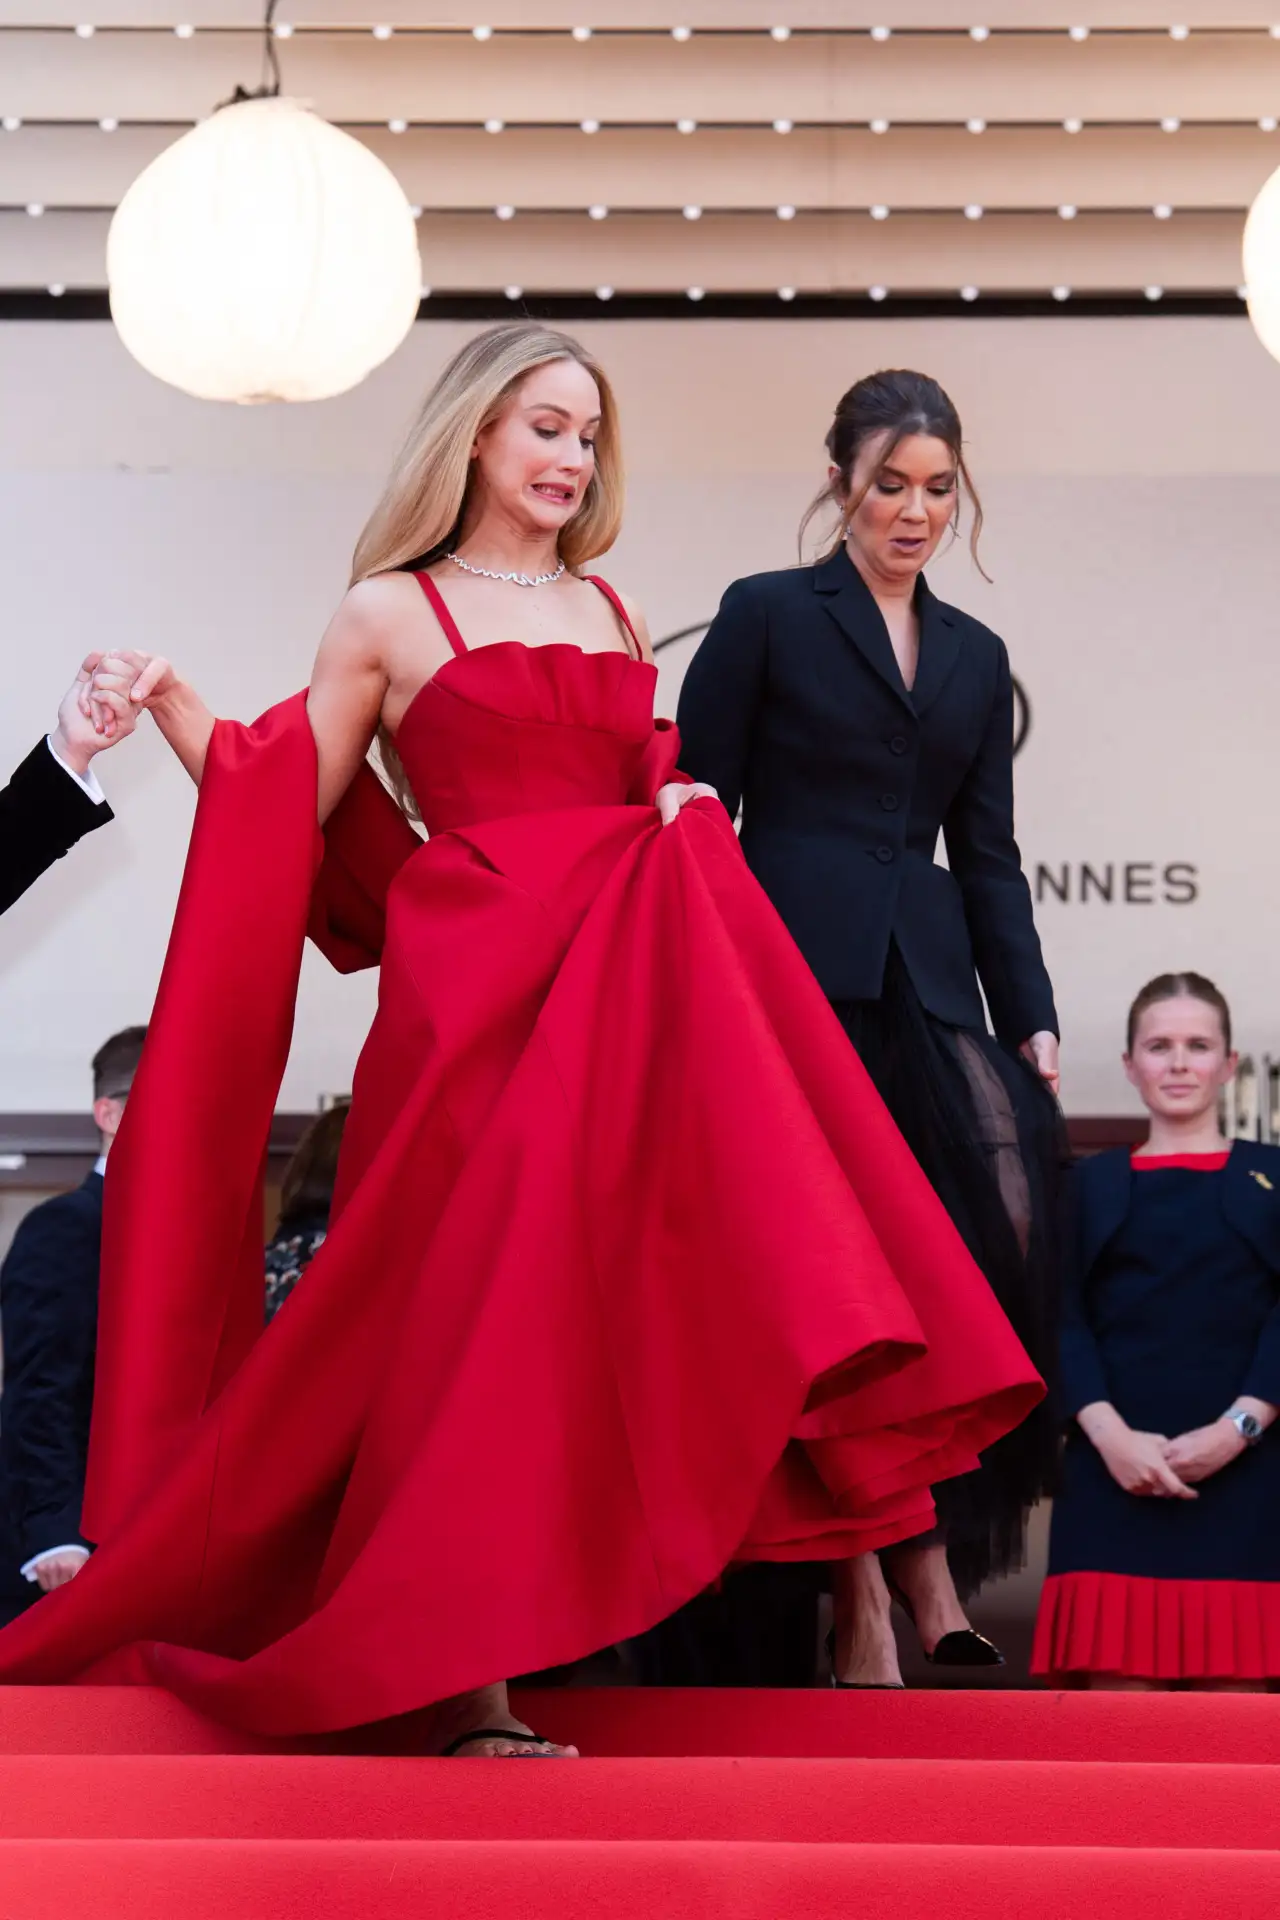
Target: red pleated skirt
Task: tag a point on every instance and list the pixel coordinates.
(1143, 1629)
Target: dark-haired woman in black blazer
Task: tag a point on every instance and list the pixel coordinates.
(854, 717)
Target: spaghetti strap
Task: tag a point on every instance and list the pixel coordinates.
(448, 625)
(615, 600)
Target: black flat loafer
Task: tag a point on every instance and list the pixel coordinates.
(965, 1648)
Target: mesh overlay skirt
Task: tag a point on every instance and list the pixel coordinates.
(990, 1139)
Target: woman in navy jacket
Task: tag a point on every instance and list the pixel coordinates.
(1164, 1561)
(855, 718)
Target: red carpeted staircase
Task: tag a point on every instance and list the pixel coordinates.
(759, 1806)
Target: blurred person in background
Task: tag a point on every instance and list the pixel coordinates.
(49, 1318)
(306, 1194)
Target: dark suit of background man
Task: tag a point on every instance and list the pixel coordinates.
(49, 1325)
(54, 798)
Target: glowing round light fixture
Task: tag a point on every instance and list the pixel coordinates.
(264, 256)
(1262, 264)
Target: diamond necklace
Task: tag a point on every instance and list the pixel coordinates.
(516, 579)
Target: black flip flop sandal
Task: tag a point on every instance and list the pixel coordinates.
(455, 1747)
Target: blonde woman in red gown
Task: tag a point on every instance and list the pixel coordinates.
(629, 1275)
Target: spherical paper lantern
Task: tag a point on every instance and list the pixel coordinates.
(264, 256)
(1262, 264)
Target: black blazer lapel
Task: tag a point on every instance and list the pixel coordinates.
(1105, 1188)
(1251, 1198)
(940, 644)
(849, 601)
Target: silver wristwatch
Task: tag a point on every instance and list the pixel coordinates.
(1247, 1425)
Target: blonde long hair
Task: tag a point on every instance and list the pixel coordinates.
(420, 514)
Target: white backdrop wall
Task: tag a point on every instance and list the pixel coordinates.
(1131, 474)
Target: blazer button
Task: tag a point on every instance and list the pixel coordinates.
(889, 801)
(884, 855)
(897, 744)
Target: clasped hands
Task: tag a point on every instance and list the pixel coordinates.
(113, 688)
(1151, 1464)
(96, 711)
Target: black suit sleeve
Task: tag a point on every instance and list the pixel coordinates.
(1080, 1368)
(48, 1307)
(721, 695)
(984, 857)
(42, 813)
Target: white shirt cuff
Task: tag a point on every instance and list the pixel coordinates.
(88, 780)
(28, 1571)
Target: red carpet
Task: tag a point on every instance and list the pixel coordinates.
(759, 1806)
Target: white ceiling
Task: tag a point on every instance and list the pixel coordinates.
(1184, 124)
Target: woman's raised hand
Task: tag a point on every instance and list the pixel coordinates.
(676, 794)
(148, 683)
(141, 678)
(79, 735)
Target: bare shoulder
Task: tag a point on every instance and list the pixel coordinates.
(380, 603)
(367, 620)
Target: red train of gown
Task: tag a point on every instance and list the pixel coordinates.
(630, 1275)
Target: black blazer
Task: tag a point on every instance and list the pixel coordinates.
(49, 1315)
(1097, 1202)
(42, 813)
(794, 707)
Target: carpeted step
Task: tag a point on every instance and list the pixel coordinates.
(559, 1880)
(635, 1722)
(819, 1724)
(898, 1802)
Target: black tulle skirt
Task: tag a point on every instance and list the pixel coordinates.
(990, 1138)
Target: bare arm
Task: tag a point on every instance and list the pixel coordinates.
(348, 684)
(186, 723)
(150, 684)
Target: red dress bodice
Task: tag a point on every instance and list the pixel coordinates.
(508, 729)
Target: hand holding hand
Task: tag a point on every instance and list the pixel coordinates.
(80, 732)
(141, 680)
(675, 795)
(1204, 1451)
(56, 1569)
(1138, 1463)
(1042, 1052)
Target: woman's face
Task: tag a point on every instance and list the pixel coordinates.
(535, 461)
(1179, 1062)
(908, 502)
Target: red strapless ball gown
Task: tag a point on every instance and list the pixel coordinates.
(630, 1275)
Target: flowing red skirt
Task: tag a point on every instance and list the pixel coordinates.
(630, 1275)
